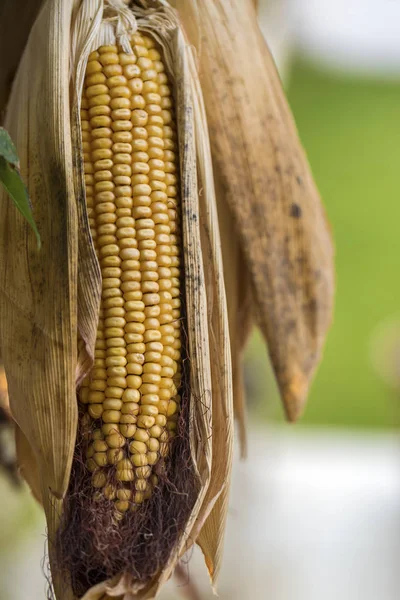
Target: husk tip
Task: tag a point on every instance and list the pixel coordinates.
(294, 396)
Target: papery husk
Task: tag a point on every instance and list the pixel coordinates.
(269, 189)
(211, 534)
(59, 288)
(240, 307)
(39, 288)
(38, 305)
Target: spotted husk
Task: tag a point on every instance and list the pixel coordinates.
(266, 191)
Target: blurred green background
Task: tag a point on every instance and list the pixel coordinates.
(350, 128)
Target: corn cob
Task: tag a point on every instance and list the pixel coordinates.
(130, 162)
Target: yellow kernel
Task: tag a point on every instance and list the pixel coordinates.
(122, 505)
(114, 455)
(135, 339)
(99, 446)
(131, 395)
(153, 356)
(135, 83)
(97, 434)
(114, 392)
(128, 419)
(111, 416)
(114, 332)
(152, 458)
(112, 404)
(116, 342)
(122, 136)
(161, 420)
(124, 464)
(148, 388)
(151, 378)
(130, 408)
(83, 395)
(127, 59)
(137, 447)
(164, 437)
(134, 368)
(109, 492)
(116, 80)
(141, 435)
(117, 104)
(156, 431)
(141, 484)
(145, 421)
(123, 494)
(100, 458)
(128, 429)
(150, 410)
(108, 58)
(139, 497)
(153, 444)
(96, 396)
(139, 460)
(91, 465)
(99, 480)
(115, 361)
(113, 302)
(150, 399)
(95, 410)
(165, 395)
(93, 66)
(120, 91)
(115, 440)
(143, 472)
(125, 475)
(134, 381)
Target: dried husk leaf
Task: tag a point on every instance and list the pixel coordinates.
(39, 293)
(64, 281)
(269, 188)
(240, 307)
(212, 532)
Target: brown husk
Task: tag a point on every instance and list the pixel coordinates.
(39, 292)
(268, 187)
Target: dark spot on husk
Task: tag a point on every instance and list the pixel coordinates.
(295, 211)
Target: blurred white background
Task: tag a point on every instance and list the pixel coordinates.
(314, 515)
(350, 35)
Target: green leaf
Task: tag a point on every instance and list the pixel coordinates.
(7, 148)
(11, 179)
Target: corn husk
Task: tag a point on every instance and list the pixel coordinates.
(268, 193)
(51, 296)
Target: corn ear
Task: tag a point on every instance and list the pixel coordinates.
(52, 298)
